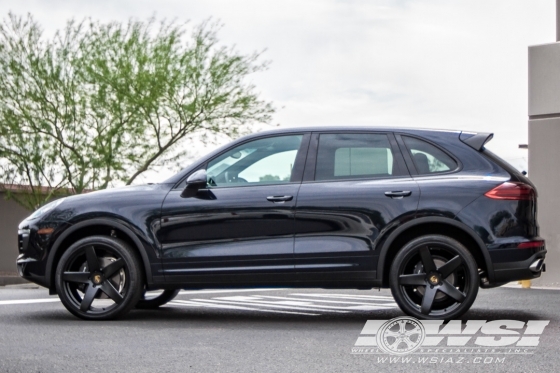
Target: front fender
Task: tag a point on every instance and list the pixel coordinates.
(122, 226)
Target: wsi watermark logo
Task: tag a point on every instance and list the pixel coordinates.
(407, 335)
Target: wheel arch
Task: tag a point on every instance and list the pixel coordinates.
(432, 225)
(97, 226)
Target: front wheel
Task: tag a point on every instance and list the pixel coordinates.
(152, 300)
(99, 278)
(434, 277)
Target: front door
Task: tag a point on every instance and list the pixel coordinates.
(241, 228)
(355, 187)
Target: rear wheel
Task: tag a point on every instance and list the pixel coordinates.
(99, 278)
(154, 299)
(434, 277)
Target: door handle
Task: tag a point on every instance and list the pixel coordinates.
(398, 194)
(279, 199)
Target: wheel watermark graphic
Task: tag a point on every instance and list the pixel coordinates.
(401, 336)
(409, 340)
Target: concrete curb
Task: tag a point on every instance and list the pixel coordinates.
(515, 285)
(11, 279)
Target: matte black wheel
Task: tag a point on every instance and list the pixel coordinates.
(153, 299)
(434, 277)
(99, 278)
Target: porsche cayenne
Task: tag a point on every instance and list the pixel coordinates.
(432, 215)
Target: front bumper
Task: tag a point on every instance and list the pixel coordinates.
(29, 270)
(33, 247)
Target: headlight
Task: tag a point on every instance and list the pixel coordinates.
(43, 210)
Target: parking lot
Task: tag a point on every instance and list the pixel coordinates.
(240, 330)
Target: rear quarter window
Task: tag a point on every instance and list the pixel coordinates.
(427, 158)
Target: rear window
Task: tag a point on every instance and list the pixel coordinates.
(501, 162)
(427, 158)
(514, 172)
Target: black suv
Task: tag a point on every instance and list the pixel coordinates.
(431, 214)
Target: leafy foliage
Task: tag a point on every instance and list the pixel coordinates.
(98, 104)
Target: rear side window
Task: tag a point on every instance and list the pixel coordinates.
(427, 158)
(348, 156)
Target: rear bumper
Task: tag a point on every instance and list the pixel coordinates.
(527, 269)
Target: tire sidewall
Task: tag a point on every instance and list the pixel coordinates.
(134, 277)
(451, 245)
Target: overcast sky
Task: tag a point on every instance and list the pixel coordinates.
(454, 64)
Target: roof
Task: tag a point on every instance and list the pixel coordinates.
(354, 128)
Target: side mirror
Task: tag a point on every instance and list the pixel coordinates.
(195, 182)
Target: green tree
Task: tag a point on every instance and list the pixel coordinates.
(269, 177)
(98, 104)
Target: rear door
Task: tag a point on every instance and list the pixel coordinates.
(355, 186)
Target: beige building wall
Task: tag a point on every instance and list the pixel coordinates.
(544, 149)
(11, 214)
(544, 171)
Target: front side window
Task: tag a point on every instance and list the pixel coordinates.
(263, 161)
(348, 156)
(427, 158)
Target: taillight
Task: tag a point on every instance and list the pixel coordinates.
(531, 244)
(512, 191)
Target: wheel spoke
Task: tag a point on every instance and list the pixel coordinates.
(395, 344)
(450, 267)
(427, 260)
(390, 333)
(92, 261)
(416, 330)
(112, 268)
(408, 342)
(414, 280)
(428, 300)
(453, 292)
(90, 294)
(402, 326)
(81, 277)
(111, 292)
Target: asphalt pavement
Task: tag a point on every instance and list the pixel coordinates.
(260, 330)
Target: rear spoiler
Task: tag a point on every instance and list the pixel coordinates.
(476, 140)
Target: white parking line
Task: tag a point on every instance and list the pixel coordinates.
(307, 303)
(387, 305)
(347, 296)
(184, 292)
(225, 306)
(28, 301)
(272, 305)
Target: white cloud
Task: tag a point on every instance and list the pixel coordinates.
(425, 63)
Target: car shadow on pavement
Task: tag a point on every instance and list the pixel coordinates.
(172, 315)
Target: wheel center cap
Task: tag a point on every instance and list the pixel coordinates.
(433, 279)
(97, 279)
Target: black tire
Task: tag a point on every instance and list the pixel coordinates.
(434, 277)
(150, 303)
(99, 278)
